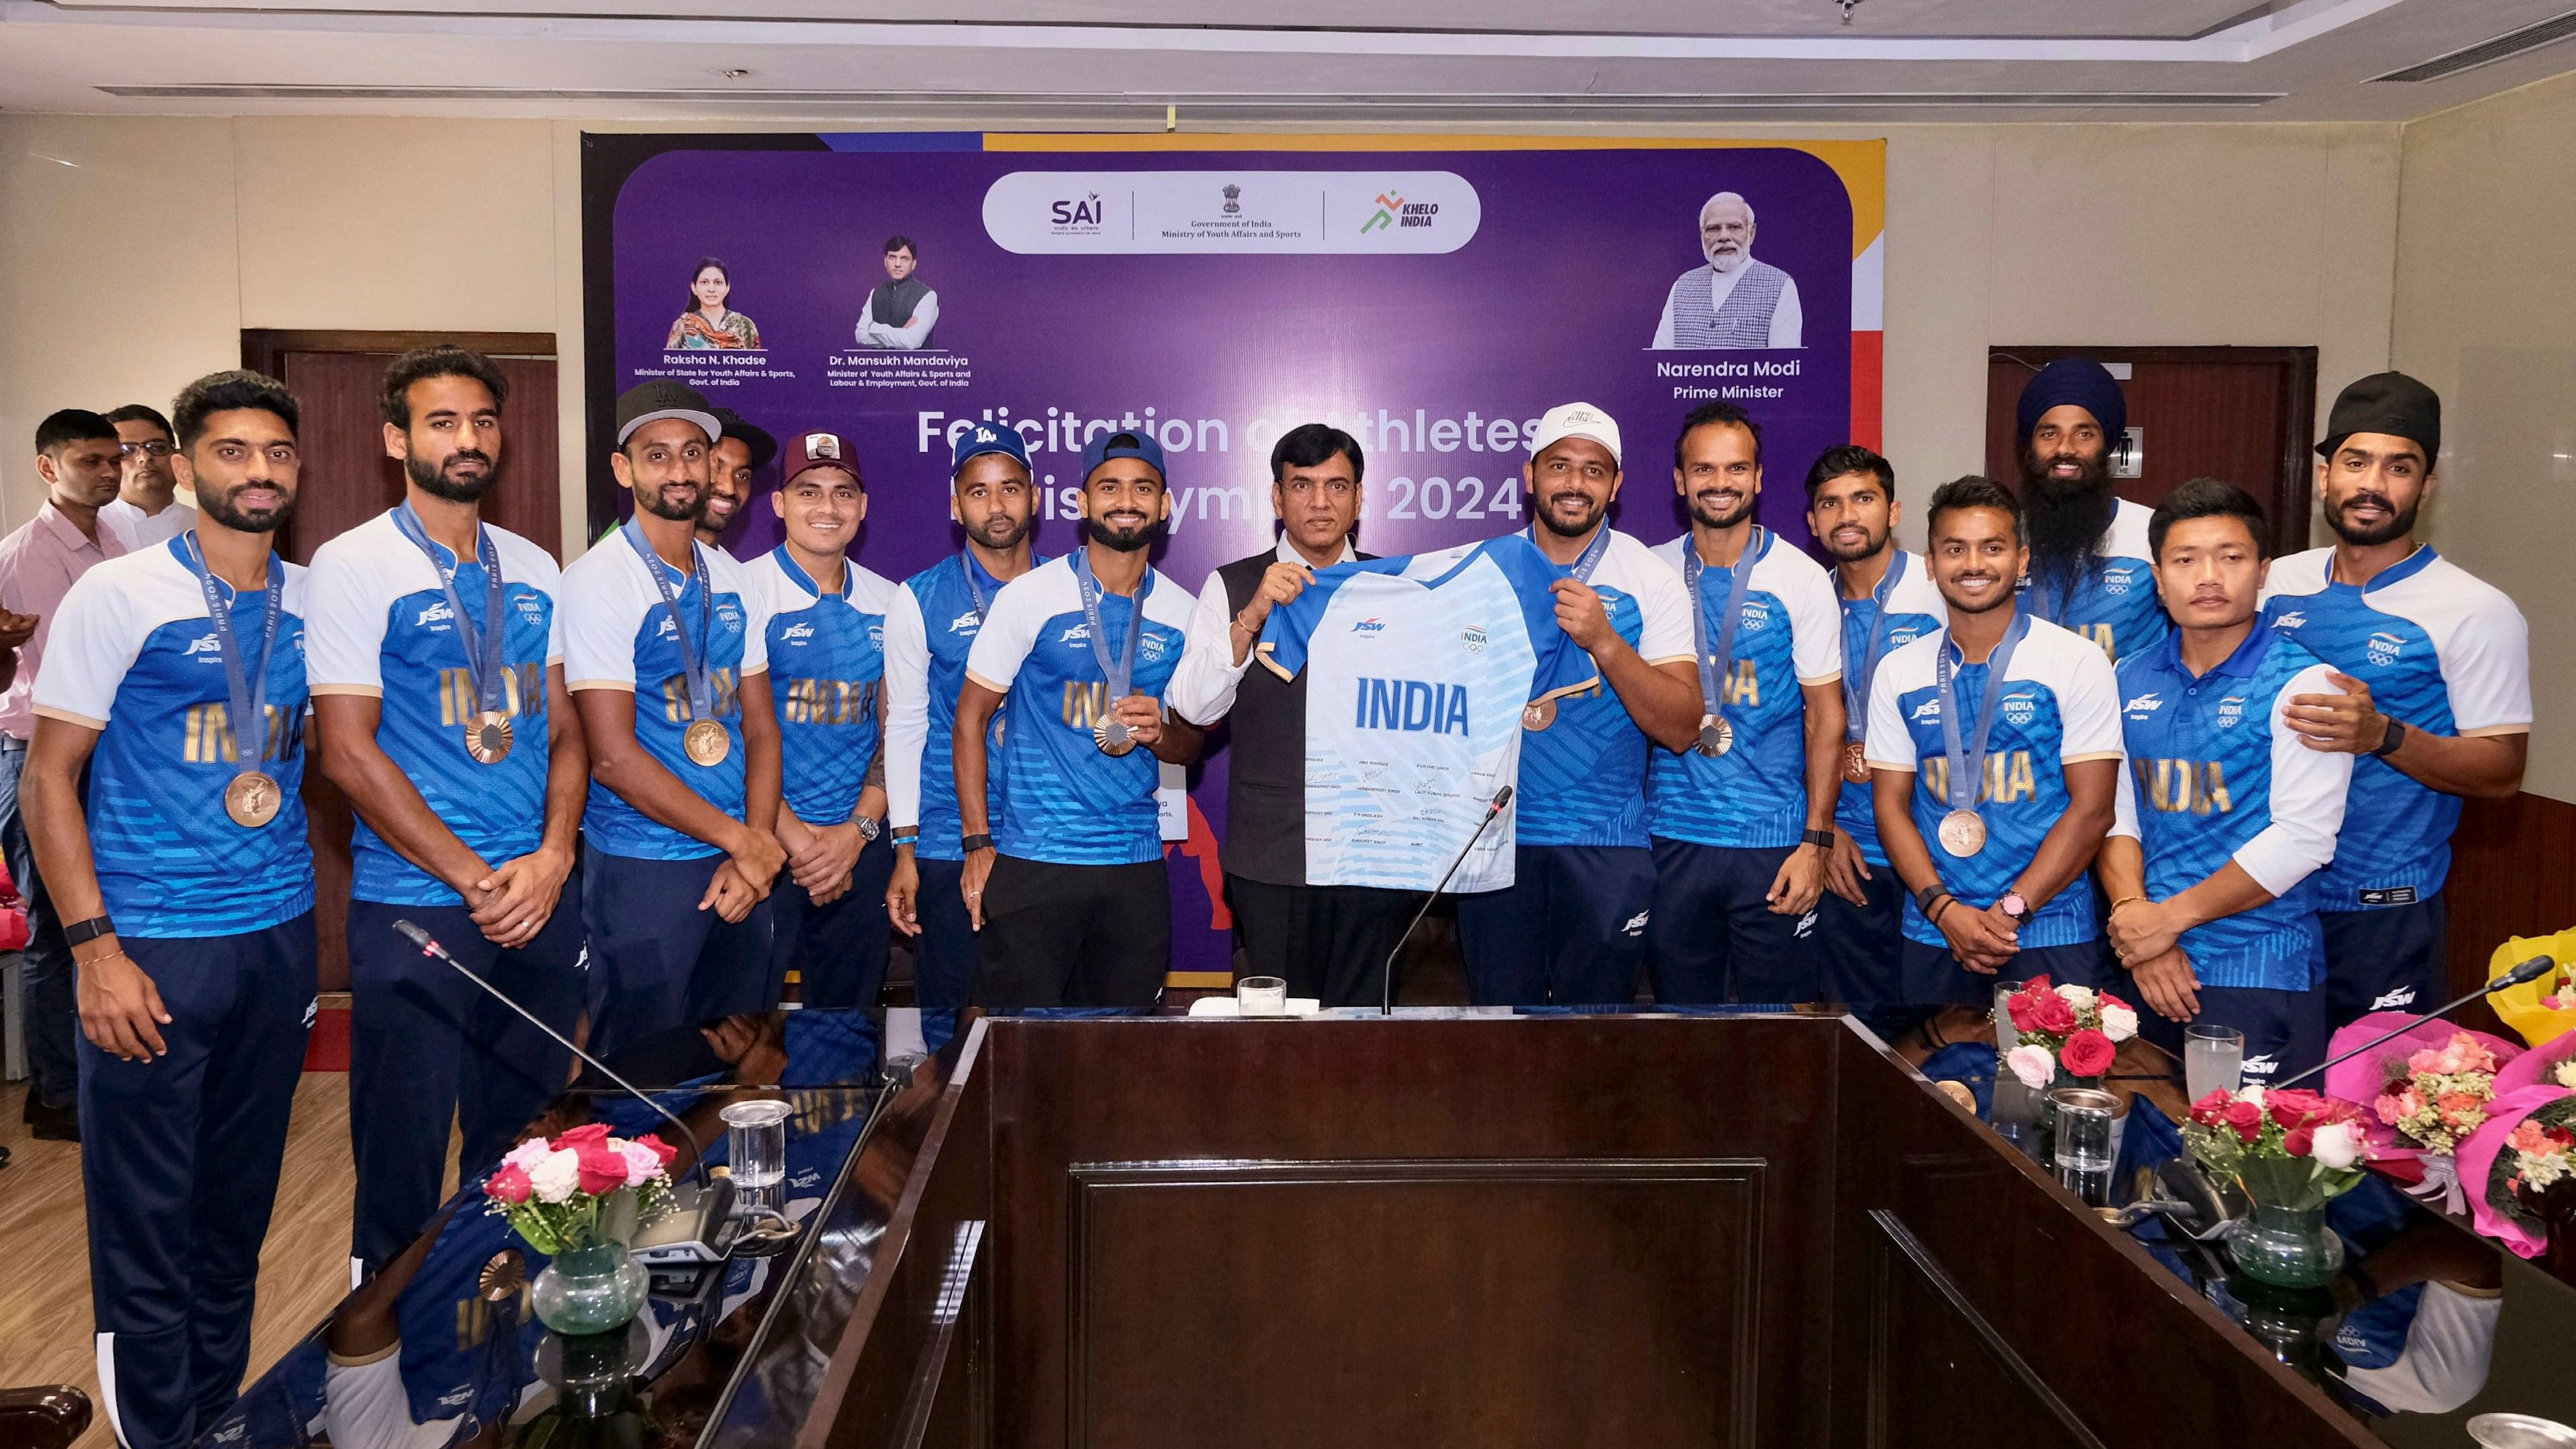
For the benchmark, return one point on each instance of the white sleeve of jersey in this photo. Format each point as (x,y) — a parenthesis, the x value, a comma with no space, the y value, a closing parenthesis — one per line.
(1202,688)
(1009,632)
(2089,709)
(757,605)
(344,635)
(1889,745)
(2124,806)
(1815,627)
(94,643)
(600,617)
(2486,665)
(1667,636)
(2307,798)
(907,687)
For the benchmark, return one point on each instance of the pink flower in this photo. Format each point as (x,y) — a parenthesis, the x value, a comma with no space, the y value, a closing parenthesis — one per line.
(2292,1107)
(2459,1104)
(603,1168)
(643,1164)
(659,1148)
(510,1184)
(588,1134)
(2527,1138)
(2088,1053)
(528,1154)
(2032,1065)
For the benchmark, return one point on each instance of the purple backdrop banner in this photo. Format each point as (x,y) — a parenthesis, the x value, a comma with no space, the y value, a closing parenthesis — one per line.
(1433,302)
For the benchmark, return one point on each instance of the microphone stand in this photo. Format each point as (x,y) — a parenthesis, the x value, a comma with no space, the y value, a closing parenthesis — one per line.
(429,947)
(2531,970)
(1386,974)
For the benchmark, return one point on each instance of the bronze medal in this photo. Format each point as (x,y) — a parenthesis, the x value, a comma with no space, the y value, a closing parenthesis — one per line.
(706,742)
(1716,736)
(1113,738)
(487,737)
(1538,714)
(1963,832)
(252,799)
(1855,763)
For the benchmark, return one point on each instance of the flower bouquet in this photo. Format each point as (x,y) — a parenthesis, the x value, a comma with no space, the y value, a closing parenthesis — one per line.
(576,1199)
(2070,1031)
(2429,1089)
(2542,1010)
(2292,1152)
(2525,1161)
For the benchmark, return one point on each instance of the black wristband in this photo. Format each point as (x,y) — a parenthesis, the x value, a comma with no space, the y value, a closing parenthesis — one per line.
(2390,742)
(1924,898)
(90,930)
(1821,839)
(973,843)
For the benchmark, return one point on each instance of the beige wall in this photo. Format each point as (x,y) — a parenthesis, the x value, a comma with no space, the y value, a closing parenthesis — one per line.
(2485,314)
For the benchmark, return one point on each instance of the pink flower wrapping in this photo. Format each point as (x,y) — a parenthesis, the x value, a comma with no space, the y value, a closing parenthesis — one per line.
(2366,1078)
(2477,1161)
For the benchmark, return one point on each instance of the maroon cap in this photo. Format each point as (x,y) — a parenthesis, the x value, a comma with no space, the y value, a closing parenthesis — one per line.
(801,453)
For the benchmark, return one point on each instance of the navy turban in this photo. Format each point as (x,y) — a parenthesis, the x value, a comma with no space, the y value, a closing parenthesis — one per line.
(2081,382)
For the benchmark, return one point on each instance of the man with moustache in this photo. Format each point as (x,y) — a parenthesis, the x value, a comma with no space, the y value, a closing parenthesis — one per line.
(1571,927)
(1733,301)
(145,510)
(1888,601)
(76,460)
(2089,568)
(1743,818)
(827,673)
(177,678)
(931,624)
(1326,942)
(737,456)
(666,655)
(1994,754)
(1067,885)
(2223,811)
(437,673)
(2433,689)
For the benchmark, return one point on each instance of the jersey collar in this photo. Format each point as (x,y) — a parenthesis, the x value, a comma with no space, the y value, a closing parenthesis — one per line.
(796,574)
(2241,664)
(2406,568)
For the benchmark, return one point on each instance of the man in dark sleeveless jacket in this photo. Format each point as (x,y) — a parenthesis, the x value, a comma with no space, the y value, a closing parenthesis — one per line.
(1731,301)
(903,310)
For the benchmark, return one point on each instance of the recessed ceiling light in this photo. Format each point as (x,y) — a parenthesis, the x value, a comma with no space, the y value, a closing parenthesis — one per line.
(735,74)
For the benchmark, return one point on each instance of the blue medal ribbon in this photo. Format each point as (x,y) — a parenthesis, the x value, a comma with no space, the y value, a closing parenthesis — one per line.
(1968,768)
(1714,665)
(693,659)
(1856,694)
(1119,669)
(248,706)
(486,660)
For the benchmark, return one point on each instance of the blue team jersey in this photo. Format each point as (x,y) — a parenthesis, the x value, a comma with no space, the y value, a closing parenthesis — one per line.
(1068,803)
(2214,775)
(931,623)
(1583,777)
(2441,650)
(1788,634)
(133,655)
(381,628)
(2114,604)
(826,679)
(1417,671)
(618,635)
(1914,609)
(2059,706)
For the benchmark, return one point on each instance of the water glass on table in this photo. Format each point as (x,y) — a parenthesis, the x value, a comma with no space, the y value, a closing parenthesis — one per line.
(1261,996)
(2006,1037)
(2213,1060)
(756,1143)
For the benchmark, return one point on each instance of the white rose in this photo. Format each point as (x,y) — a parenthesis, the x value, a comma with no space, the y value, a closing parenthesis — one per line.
(2337,1145)
(2079,997)
(2250,1093)
(2033,1064)
(2119,1023)
(642,1166)
(556,1178)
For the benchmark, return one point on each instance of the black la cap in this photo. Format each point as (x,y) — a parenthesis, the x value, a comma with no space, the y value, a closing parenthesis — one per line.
(2386,402)
(663,398)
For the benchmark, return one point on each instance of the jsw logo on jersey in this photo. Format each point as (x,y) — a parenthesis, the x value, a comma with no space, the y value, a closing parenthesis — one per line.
(796,633)
(1412,705)
(437,613)
(966,623)
(203,644)
(2291,620)
(2391,1000)
(1369,626)
(1074,635)
(663,628)
(2145,704)
(1928,709)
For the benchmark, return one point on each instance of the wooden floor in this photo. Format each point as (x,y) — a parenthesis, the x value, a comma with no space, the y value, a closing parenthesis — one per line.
(45,1321)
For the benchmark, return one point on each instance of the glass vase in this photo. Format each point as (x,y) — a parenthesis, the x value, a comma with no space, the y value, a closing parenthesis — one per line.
(590,1290)
(2287,1247)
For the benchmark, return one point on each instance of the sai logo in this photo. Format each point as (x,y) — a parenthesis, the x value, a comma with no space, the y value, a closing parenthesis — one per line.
(1370,625)
(1474,638)
(2020,709)
(2384,648)
(2231,711)
(1077,215)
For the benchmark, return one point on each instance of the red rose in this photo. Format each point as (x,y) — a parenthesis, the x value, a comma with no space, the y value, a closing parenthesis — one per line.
(2210,1110)
(2087,1053)
(2052,1015)
(603,1168)
(2300,1141)
(2292,1107)
(508,1185)
(588,1134)
(658,1147)
(2245,1118)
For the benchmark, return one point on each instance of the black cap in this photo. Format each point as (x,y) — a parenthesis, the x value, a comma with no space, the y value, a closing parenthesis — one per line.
(663,398)
(2386,402)
(763,446)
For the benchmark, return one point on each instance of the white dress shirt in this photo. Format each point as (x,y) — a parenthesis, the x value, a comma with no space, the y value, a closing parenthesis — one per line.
(1788,319)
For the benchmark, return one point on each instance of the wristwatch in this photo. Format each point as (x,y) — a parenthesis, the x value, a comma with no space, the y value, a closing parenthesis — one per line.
(89,930)
(1821,839)
(973,843)
(1924,898)
(2391,741)
(869,828)
(2015,907)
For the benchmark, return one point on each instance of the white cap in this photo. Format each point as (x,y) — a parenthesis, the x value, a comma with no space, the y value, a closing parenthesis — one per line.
(1575,420)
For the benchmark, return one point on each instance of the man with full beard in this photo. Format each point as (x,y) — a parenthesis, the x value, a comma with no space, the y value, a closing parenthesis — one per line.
(1067,884)
(436,656)
(2435,674)
(666,656)
(1743,816)
(2089,568)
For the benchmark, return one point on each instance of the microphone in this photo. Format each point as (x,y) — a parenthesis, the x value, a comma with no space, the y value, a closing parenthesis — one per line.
(2531,970)
(1386,974)
(429,947)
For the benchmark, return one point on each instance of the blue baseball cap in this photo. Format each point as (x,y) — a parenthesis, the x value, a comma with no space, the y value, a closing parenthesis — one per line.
(1140,444)
(982,438)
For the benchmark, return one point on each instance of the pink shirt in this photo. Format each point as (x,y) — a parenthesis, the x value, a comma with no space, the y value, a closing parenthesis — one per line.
(37,566)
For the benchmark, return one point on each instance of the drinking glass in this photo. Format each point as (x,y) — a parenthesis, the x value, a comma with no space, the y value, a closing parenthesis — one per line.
(2006,1038)
(756,1143)
(1261,996)
(2083,1141)
(2213,1060)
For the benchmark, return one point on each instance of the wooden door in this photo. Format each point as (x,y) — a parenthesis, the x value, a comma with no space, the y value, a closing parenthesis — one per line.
(336,378)
(2244,414)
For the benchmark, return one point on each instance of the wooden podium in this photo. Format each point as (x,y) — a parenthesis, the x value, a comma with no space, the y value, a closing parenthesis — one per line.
(1636,1231)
